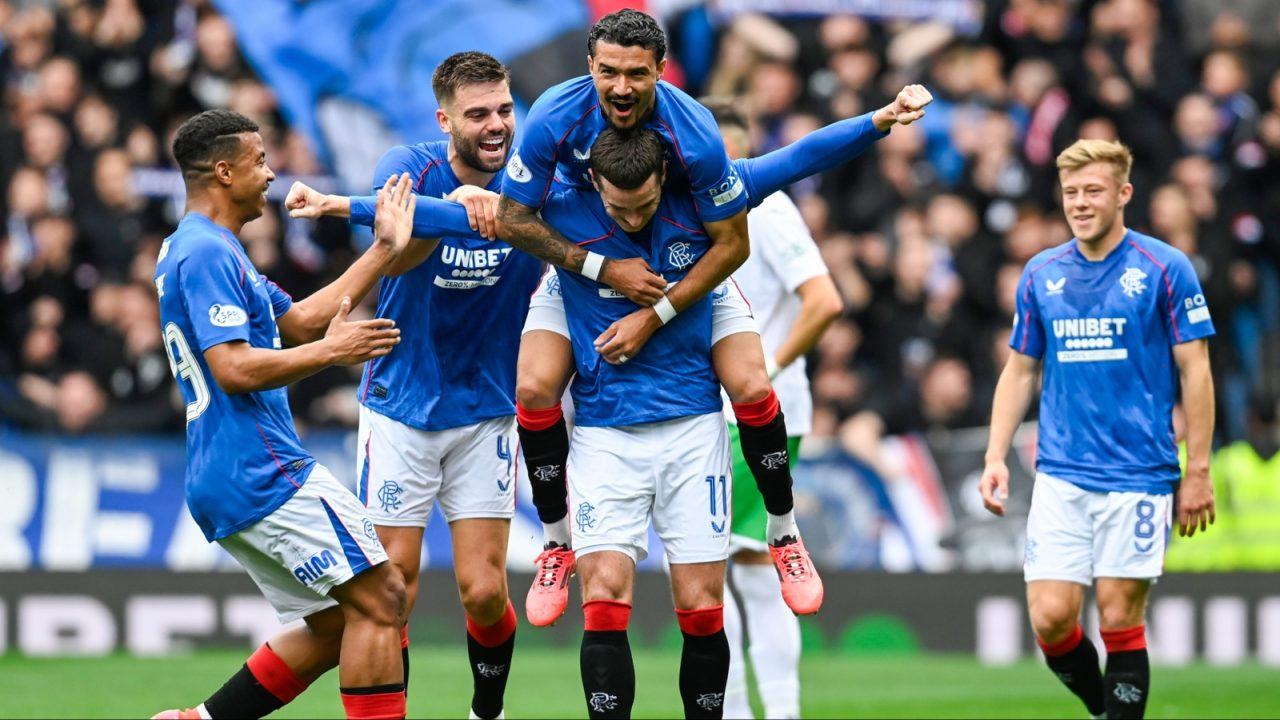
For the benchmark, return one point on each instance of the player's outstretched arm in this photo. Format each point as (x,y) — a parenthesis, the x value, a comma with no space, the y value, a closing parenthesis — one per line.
(239,367)
(1014,391)
(307,319)
(434,217)
(521,227)
(1195,493)
(827,147)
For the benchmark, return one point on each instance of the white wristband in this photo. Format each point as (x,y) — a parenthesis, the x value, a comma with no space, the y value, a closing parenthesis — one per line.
(666,311)
(592,265)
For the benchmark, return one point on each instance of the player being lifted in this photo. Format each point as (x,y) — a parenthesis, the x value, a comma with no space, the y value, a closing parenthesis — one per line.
(1118,323)
(250,485)
(437,417)
(626,60)
(794,300)
(729,315)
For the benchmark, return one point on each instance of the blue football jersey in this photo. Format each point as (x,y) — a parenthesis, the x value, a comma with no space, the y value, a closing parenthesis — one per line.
(671,377)
(1105,331)
(460,313)
(563,124)
(244,458)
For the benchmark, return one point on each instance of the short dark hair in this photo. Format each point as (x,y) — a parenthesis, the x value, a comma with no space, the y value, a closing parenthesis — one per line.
(727,111)
(629,28)
(627,158)
(209,137)
(466,68)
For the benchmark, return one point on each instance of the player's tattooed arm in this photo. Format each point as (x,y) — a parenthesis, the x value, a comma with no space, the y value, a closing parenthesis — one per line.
(1196,509)
(522,228)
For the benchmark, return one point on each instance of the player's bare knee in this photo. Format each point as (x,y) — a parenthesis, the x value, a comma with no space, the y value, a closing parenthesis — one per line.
(747,385)
(381,599)
(484,600)
(1120,615)
(606,578)
(536,393)
(1052,618)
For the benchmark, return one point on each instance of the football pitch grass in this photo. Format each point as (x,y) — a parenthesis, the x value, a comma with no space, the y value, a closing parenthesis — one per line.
(545,684)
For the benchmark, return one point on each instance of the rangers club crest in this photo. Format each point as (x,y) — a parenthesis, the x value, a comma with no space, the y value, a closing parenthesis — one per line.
(774,460)
(680,255)
(490,671)
(602,702)
(389,495)
(1131,282)
(546,473)
(585,517)
(710,701)
(1128,693)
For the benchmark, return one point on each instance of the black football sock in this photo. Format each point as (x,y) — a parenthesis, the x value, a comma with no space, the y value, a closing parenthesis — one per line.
(608,672)
(261,686)
(546,452)
(763,432)
(1075,662)
(1128,677)
(704,670)
(489,649)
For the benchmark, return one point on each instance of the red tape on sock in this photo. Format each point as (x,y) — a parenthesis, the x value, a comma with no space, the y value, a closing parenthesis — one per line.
(1126,639)
(701,622)
(380,706)
(274,674)
(606,615)
(761,412)
(534,419)
(495,634)
(1071,642)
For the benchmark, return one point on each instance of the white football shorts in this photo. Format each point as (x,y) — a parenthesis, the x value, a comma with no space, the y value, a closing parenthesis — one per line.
(401,471)
(1078,535)
(677,472)
(320,538)
(730,312)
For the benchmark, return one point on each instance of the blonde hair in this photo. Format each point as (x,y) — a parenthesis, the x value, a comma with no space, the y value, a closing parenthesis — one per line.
(1083,152)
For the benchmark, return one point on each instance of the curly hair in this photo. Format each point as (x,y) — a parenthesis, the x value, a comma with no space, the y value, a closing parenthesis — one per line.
(629,28)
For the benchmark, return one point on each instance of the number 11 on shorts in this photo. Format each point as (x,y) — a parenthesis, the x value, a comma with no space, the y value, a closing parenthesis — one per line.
(712,481)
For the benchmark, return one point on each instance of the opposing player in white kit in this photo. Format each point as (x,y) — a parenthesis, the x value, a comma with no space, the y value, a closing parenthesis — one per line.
(1119,323)
(794,301)
(250,485)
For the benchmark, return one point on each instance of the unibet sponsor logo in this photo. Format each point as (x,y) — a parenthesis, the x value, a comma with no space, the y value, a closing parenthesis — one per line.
(471,268)
(1090,339)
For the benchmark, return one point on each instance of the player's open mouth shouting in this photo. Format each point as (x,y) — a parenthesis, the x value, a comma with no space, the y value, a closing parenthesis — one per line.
(494,148)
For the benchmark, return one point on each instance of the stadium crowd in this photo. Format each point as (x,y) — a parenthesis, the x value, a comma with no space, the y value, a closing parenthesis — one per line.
(925,235)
